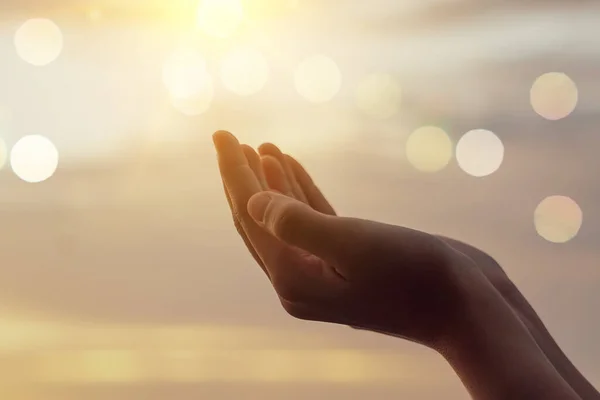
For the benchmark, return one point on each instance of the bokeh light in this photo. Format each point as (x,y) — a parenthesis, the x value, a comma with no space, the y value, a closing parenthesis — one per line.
(95,14)
(3,153)
(554,96)
(184,72)
(34,158)
(429,149)
(558,219)
(244,71)
(186,77)
(39,41)
(197,104)
(220,18)
(318,79)
(379,95)
(479,152)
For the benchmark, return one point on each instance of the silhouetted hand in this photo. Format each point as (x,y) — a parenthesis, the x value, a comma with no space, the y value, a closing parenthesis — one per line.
(429,289)
(342,270)
(286,175)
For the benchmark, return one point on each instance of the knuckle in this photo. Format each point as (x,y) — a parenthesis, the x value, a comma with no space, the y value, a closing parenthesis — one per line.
(285,220)
(441,252)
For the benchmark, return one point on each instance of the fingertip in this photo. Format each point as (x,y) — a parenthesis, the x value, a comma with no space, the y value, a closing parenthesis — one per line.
(271,164)
(252,157)
(269,149)
(222,137)
(249,150)
(219,134)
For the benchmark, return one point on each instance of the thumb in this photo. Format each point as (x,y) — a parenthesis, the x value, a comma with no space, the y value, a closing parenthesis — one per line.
(299,225)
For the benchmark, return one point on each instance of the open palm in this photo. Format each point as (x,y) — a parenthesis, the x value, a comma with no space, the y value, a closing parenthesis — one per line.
(298,274)
(288,268)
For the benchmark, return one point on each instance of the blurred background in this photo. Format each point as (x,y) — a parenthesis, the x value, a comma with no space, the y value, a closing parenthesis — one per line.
(121,275)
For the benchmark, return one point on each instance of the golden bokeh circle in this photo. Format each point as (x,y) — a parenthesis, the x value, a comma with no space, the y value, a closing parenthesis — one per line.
(379,96)
(186,77)
(554,96)
(244,71)
(318,79)
(39,41)
(34,158)
(429,149)
(558,219)
(479,152)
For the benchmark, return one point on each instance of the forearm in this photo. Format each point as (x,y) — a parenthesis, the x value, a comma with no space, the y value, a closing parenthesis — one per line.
(495,356)
(553,352)
(534,324)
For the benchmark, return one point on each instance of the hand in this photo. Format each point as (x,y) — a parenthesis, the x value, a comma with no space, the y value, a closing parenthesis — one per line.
(342,270)
(389,279)
(285,175)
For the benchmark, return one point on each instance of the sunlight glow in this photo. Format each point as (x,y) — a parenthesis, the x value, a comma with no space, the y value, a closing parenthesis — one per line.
(34,158)
(83,353)
(429,149)
(16,336)
(39,41)
(379,95)
(189,84)
(318,79)
(184,72)
(244,71)
(198,104)
(256,10)
(90,366)
(479,152)
(554,96)
(95,14)
(112,366)
(220,18)
(212,365)
(558,219)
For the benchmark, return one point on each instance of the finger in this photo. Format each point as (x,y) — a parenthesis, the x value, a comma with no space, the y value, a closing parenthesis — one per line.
(315,197)
(255,164)
(300,226)
(241,184)
(346,242)
(242,233)
(275,176)
(272,150)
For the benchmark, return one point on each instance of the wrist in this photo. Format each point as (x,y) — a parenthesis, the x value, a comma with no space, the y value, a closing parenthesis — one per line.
(493,353)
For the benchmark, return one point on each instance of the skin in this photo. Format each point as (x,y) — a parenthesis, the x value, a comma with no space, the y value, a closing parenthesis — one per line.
(425,288)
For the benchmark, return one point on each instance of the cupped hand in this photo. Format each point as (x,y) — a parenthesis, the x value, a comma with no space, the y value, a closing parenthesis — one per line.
(348,271)
(282,173)
(368,275)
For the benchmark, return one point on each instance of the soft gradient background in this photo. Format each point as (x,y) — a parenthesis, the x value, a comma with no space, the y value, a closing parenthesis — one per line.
(122,277)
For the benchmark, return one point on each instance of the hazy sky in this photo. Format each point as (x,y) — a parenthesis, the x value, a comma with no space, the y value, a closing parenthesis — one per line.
(126,280)
(105,89)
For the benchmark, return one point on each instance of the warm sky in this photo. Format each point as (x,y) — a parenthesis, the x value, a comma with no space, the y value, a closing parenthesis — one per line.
(123,278)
